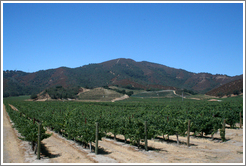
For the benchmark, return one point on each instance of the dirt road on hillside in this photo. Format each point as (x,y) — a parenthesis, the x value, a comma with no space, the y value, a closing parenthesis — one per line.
(57,149)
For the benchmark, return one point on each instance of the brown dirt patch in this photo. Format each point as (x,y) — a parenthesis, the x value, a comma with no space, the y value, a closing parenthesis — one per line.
(120,98)
(213,100)
(202,150)
(195,98)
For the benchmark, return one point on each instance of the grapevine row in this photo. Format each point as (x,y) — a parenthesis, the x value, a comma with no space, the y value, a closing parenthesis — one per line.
(26,127)
(76,120)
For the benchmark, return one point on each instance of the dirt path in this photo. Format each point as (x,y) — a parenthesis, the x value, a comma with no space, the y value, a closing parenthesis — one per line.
(202,150)
(57,149)
(13,107)
(12,152)
(120,98)
(124,153)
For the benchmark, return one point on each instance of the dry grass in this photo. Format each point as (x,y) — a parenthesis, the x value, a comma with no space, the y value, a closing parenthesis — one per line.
(99,94)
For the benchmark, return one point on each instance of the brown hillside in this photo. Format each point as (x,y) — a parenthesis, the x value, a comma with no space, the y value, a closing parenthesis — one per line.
(127,82)
(59,77)
(228,88)
(121,72)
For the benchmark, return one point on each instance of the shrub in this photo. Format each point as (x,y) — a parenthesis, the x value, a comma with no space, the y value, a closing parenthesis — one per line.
(236,92)
(220,94)
(129,93)
(228,94)
(34,96)
(5,94)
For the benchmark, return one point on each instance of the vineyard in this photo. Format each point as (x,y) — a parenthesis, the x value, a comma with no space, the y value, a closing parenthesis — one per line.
(136,122)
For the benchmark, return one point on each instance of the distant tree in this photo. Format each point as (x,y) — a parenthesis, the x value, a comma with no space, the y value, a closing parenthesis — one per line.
(106,87)
(236,92)
(13,93)
(228,94)
(190,91)
(34,96)
(88,87)
(121,91)
(129,93)
(220,94)
(6,94)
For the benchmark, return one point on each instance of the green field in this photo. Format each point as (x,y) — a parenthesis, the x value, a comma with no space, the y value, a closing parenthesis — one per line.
(17,98)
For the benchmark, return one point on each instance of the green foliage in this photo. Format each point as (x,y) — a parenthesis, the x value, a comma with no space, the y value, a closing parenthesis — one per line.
(25,126)
(129,86)
(220,94)
(18,83)
(33,96)
(76,120)
(236,92)
(222,135)
(129,93)
(228,94)
(60,92)
(190,91)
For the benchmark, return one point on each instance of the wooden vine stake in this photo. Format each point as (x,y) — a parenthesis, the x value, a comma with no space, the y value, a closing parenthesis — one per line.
(188,134)
(177,135)
(224,122)
(222,131)
(167,134)
(39,141)
(146,136)
(96,148)
(240,116)
(114,137)
(90,146)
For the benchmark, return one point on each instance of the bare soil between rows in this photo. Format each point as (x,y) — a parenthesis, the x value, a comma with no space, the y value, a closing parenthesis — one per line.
(57,149)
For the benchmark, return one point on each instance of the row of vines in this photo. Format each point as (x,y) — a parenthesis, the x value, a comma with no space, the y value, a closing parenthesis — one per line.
(76,120)
(26,127)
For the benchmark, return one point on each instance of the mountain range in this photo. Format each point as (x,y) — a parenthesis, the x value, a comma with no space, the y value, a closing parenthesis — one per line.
(120,72)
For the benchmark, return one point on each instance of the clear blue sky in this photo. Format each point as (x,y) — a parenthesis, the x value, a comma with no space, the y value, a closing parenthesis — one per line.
(197,37)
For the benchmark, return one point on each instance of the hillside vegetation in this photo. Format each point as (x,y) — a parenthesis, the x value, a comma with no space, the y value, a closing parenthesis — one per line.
(234,87)
(121,72)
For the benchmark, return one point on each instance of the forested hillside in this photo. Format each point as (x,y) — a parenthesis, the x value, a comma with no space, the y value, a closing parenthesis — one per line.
(120,72)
